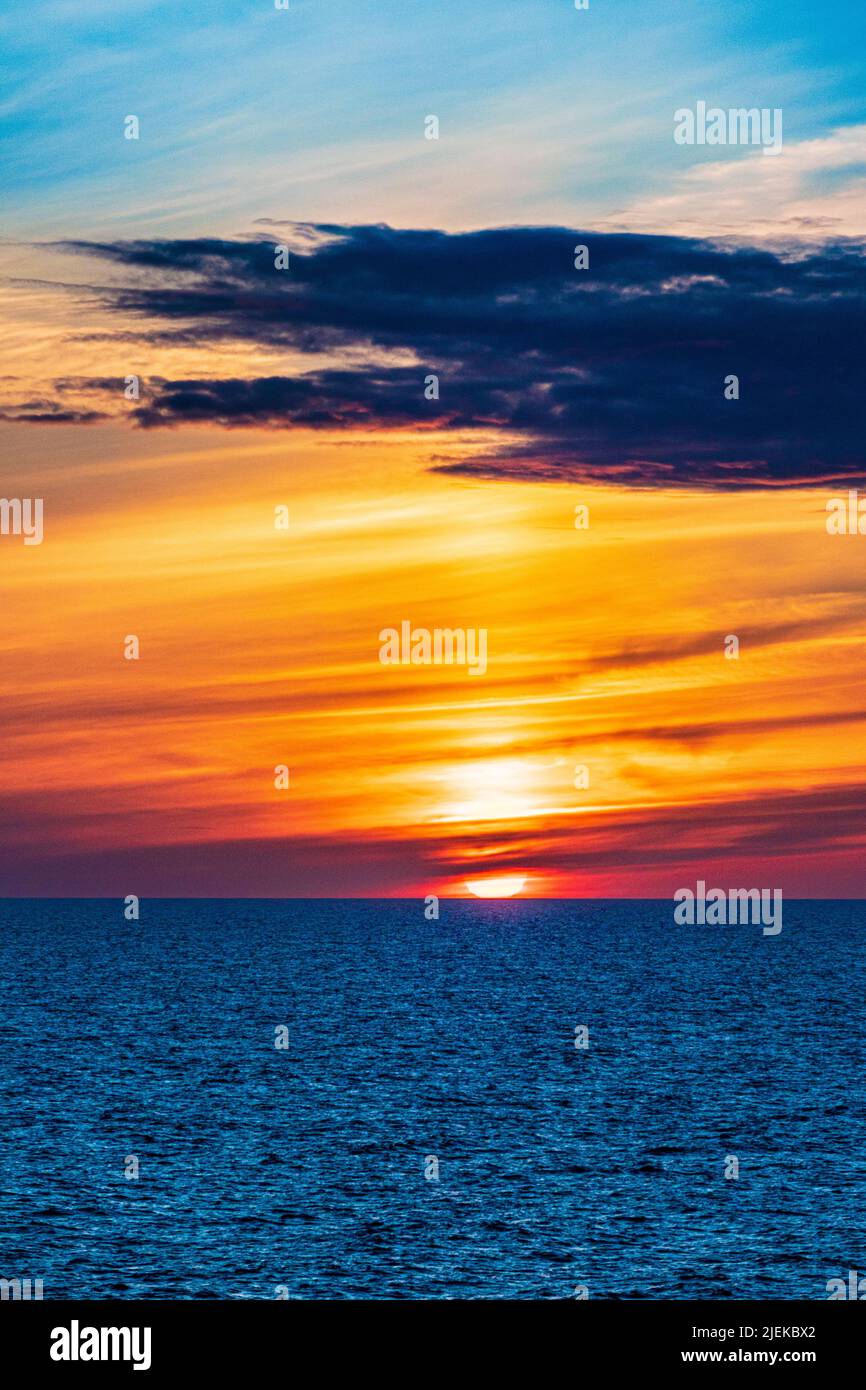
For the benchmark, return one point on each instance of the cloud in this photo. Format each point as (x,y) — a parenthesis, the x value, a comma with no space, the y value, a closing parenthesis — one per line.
(611,374)
(815,190)
(783,831)
(51,414)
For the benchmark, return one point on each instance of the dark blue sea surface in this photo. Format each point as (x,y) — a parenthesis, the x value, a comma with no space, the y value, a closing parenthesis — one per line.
(304,1169)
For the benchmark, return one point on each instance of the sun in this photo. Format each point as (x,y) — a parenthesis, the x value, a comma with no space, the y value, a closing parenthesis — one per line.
(508,886)
(489,789)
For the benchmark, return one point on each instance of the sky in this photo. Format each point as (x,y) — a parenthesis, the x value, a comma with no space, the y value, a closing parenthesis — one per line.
(614,746)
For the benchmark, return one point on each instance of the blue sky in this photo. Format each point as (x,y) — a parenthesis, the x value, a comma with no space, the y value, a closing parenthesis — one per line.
(317,113)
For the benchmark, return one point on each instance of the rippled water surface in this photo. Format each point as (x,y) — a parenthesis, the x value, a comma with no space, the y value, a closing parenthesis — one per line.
(410,1040)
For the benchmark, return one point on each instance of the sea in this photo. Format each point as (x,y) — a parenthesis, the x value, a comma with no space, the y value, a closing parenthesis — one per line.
(260,1099)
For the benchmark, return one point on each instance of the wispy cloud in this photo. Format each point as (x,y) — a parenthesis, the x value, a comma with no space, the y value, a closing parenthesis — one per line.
(816,192)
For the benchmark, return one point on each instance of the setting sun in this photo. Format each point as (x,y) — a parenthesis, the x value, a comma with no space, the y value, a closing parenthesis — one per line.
(506,887)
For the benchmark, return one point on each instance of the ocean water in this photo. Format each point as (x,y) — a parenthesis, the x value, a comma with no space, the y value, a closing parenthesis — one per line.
(302,1170)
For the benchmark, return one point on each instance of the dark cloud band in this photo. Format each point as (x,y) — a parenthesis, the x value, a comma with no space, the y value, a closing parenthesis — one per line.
(614,373)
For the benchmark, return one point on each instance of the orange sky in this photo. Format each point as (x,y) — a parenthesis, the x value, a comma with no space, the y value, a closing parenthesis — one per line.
(260,647)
